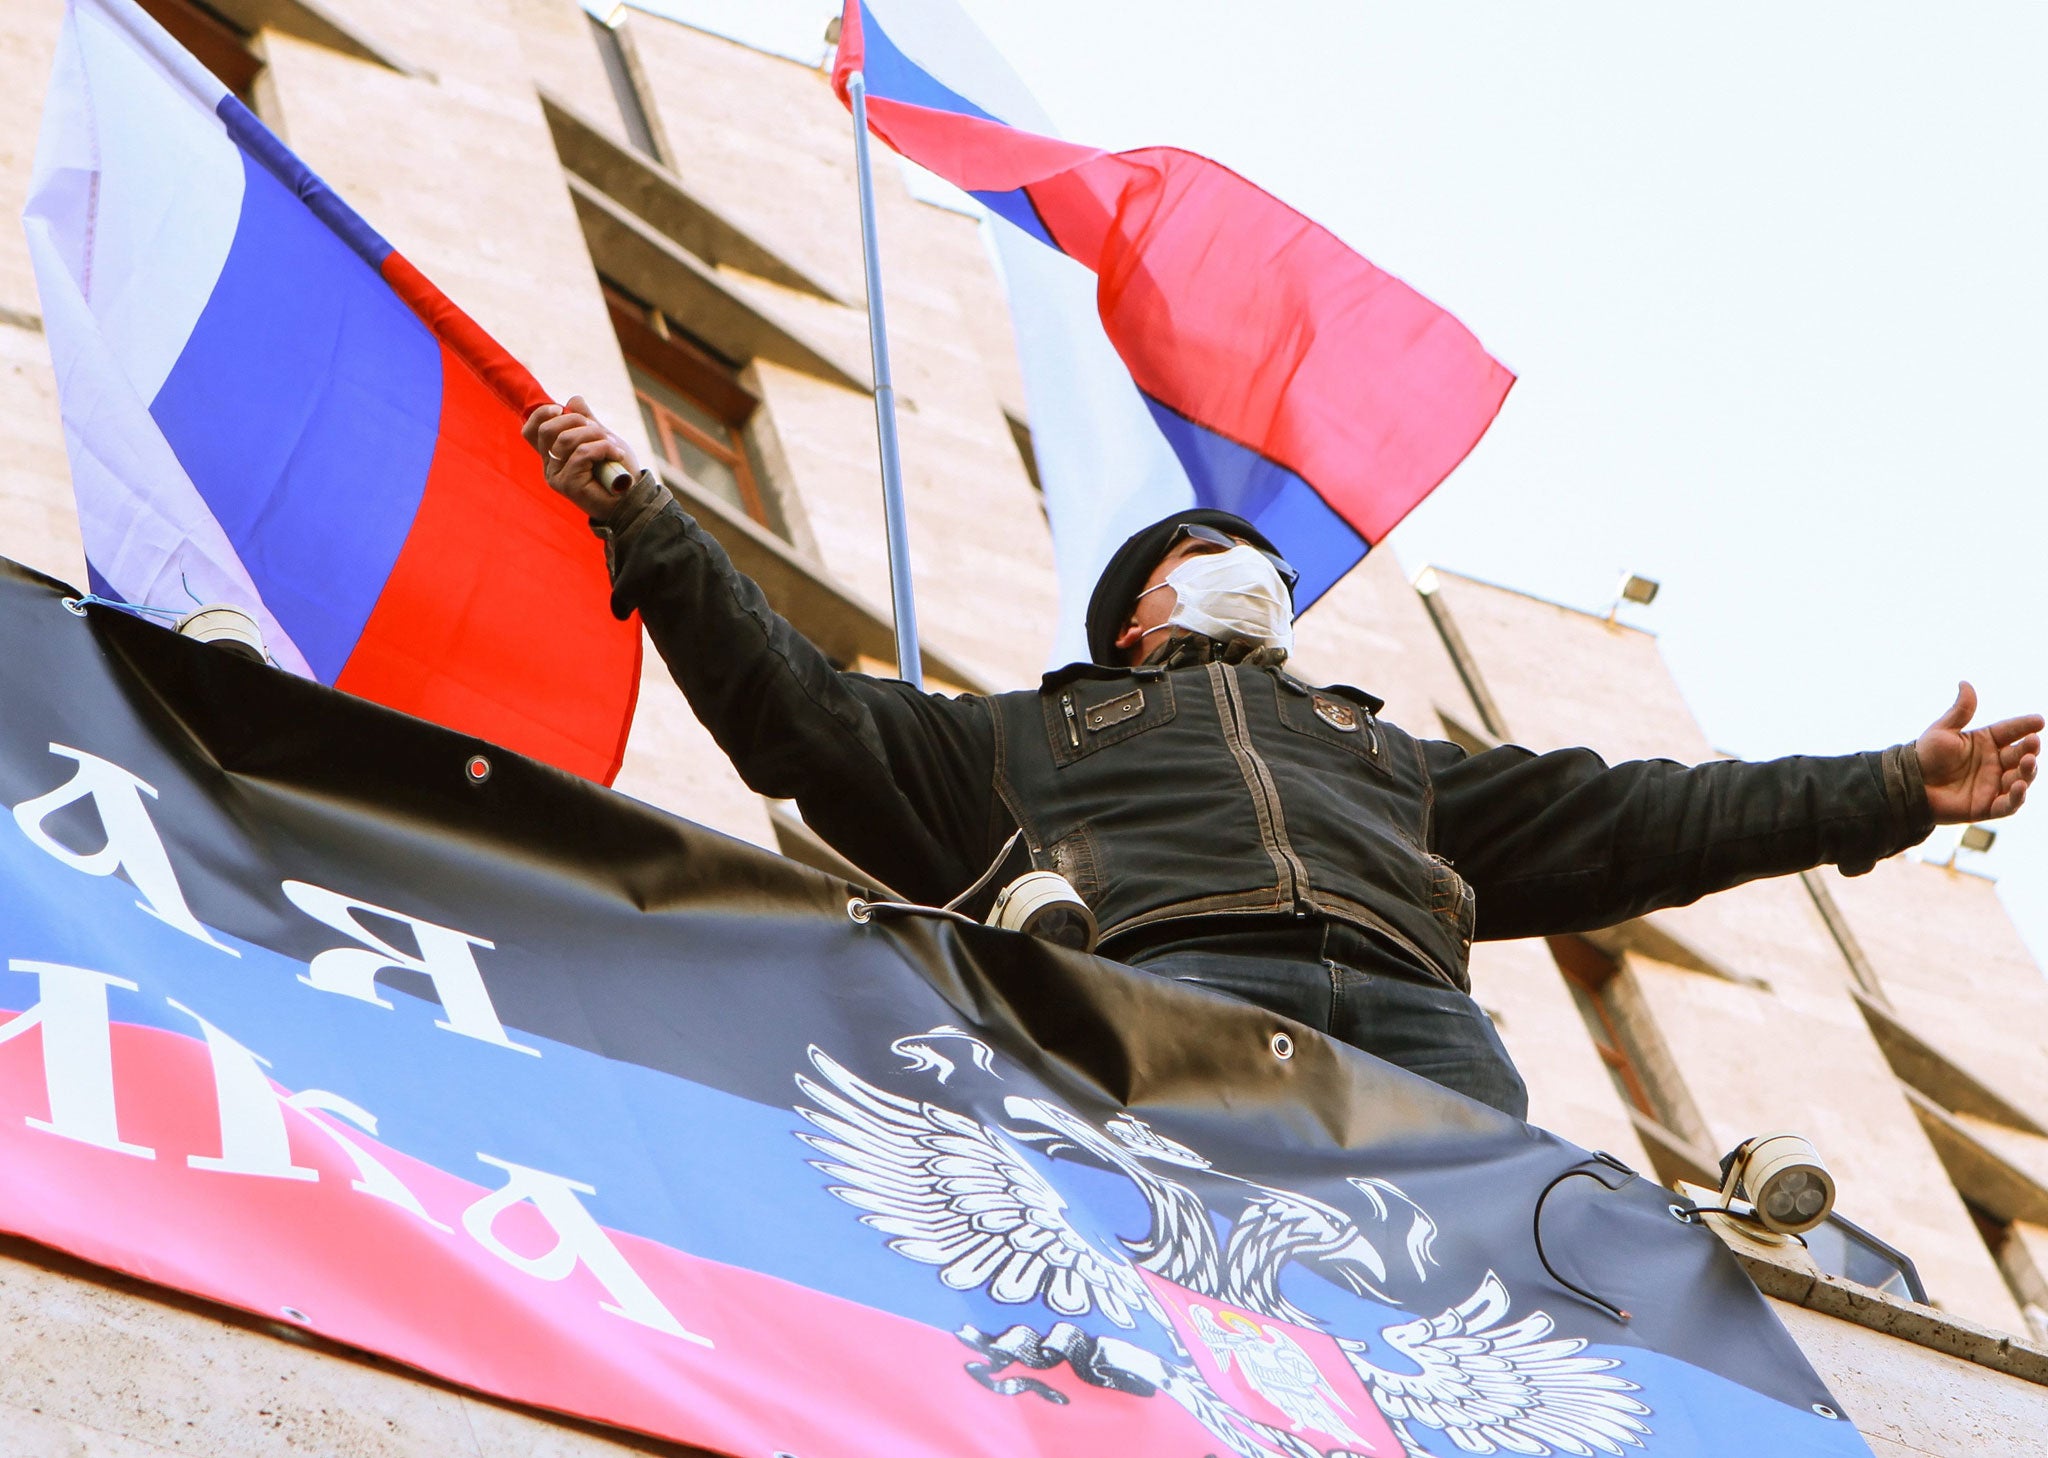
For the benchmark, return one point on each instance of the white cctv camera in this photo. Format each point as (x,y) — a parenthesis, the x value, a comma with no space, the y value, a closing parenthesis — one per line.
(1782,1177)
(226,627)
(1043,904)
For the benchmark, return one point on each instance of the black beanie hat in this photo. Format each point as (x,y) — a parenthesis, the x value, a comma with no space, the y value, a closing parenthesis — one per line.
(1109,606)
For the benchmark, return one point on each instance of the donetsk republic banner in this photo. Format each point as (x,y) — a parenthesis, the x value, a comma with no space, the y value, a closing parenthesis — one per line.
(529,1086)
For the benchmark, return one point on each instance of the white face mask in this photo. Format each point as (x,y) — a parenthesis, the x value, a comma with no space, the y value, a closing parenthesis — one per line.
(1233,594)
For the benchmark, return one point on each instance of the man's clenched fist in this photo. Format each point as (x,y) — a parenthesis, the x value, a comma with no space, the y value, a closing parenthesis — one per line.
(573,444)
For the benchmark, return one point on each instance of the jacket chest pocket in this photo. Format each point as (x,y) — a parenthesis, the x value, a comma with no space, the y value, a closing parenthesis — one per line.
(1336,716)
(1083,717)
(1451,899)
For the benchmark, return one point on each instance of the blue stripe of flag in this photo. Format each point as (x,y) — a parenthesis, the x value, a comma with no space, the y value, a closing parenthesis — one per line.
(306,408)
(889,73)
(1235,478)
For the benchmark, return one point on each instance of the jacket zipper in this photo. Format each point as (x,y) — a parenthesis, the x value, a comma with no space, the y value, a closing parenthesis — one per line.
(1259,779)
(1372,734)
(1073,729)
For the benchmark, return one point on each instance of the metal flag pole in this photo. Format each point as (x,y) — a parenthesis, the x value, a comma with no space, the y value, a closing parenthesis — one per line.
(909,663)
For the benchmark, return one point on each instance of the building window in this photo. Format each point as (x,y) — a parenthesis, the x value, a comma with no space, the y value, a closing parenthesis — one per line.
(2023,1275)
(1590,974)
(216,42)
(620,72)
(692,403)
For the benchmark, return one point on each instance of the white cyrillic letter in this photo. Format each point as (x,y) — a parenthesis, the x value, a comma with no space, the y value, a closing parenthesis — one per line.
(78,1053)
(444,957)
(132,842)
(578,1239)
(253,1140)
(372,1177)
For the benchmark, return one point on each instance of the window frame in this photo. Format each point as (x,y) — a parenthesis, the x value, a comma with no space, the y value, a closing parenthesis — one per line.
(634,114)
(1588,973)
(653,346)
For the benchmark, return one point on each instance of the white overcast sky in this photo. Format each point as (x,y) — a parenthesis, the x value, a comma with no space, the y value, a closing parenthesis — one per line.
(1771,277)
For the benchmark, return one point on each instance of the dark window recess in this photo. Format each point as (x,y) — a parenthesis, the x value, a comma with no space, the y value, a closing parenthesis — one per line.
(617,70)
(2028,1282)
(1020,433)
(1590,974)
(694,409)
(216,42)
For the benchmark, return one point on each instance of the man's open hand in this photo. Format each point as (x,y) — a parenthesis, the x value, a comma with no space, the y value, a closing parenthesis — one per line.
(1977,774)
(572,445)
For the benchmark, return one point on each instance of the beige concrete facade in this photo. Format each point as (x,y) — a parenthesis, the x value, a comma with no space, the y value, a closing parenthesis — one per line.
(1896,1018)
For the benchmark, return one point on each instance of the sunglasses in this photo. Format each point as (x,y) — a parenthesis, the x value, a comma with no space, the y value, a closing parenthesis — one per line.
(1214,537)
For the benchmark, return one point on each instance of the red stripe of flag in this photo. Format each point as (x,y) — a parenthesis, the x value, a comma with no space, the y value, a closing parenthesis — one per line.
(495,619)
(1232,309)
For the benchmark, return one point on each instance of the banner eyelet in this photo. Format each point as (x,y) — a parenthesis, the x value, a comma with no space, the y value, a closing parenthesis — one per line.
(1283,1046)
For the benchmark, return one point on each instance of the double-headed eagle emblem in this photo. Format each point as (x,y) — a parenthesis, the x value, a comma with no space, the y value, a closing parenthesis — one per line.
(969,1199)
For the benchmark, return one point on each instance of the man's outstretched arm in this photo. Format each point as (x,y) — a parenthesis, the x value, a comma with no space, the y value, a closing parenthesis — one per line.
(1563,842)
(900,782)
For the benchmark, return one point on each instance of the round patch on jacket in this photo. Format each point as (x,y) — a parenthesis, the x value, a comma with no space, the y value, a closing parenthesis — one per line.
(1337,714)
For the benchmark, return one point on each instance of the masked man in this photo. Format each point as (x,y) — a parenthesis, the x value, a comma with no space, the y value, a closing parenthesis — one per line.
(1228,824)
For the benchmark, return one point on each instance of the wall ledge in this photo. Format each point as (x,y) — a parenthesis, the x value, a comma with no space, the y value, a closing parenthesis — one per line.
(1785,1272)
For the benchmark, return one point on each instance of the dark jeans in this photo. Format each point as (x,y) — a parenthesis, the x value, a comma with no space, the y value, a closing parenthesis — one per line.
(1339,981)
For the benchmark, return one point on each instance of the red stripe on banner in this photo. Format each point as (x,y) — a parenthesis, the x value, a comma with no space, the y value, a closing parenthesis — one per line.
(496,618)
(1239,313)
(788,1368)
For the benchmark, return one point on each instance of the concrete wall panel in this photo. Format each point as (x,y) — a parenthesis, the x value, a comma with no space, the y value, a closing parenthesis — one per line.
(38,524)
(555,39)
(1372,631)
(1569,1090)
(94,1365)
(736,117)
(1912,1401)
(1562,677)
(1955,970)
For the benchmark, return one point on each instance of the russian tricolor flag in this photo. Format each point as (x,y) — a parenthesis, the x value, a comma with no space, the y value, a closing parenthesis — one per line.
(266,405)
(1289,380)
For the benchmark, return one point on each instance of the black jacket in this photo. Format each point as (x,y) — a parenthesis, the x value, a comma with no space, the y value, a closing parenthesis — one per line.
(1228,790)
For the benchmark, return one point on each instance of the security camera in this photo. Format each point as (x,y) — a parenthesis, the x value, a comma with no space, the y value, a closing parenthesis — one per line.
(1782,1177)
(227,627)
(1042,904)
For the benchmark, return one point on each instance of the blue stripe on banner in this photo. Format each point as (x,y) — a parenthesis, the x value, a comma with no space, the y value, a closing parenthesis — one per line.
(890,73)
(1016,206)
(258,141)
(306,409)
(702,1171)
(1235,478)
(690,1166)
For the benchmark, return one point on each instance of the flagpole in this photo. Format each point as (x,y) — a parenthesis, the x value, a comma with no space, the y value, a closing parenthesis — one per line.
(909,662)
